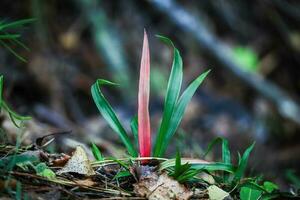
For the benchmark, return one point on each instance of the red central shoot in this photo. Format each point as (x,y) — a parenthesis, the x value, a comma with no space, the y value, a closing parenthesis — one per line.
(144,132)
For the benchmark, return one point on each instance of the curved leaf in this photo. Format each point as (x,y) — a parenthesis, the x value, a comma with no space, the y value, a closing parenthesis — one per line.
(179,111)
(173,90)
(109,115)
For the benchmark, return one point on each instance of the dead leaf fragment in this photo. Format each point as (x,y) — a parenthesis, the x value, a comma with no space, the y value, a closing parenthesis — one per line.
(216,193)
(162,187)
(78,163)
(86,182)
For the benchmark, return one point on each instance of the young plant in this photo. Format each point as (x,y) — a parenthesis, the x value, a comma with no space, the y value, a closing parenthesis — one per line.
(174,106)
(183,172)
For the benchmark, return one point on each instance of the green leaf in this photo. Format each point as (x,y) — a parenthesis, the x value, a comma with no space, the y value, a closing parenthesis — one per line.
(15,24)
(12,51)
(247,193)
(179,111)
(179,169)
(183,173)
(122,174)
(109,115)
(97,153)
(9,36)
(18,191)
(270,187)
(213,166)
(13,115)
(172,94)
(43,170)
(243,164)
(292,177)
(226,158)
(9,162)
(134,130)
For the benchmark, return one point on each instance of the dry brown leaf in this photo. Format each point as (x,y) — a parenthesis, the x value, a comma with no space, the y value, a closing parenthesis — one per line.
(162,187)
(86,182)
(78,163)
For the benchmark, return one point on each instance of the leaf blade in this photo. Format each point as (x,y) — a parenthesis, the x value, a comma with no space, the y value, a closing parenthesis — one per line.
(180,109)
(243,163)
(173,90)
(144,131)
(109,115)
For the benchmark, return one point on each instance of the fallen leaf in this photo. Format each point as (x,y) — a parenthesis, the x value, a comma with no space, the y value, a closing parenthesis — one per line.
(162,187)
(216,193)
(78,163)
(86,182)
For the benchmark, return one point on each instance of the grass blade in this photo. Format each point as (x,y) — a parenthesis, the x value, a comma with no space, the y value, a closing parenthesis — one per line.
(173,90)
(144,132)
(97,153)
(200,165)
(243,164)
(180,109)
(9,36)
(13,51)
(16,24)
(109,115)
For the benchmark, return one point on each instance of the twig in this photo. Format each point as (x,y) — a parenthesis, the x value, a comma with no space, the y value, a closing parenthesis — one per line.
(287,107)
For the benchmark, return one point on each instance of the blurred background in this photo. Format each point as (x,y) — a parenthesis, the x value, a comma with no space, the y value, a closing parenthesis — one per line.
(251,94)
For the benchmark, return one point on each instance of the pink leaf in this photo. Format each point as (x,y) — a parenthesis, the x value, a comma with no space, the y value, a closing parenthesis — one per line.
(144,134)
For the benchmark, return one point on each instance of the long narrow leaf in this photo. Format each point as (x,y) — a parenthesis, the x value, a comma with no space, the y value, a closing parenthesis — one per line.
(9,36)
(97,153)
(226,158)
(13,51)
(109,115)
(144,131)
(243,163)
(180,109)
(173,90)
(16,24)
(200,165)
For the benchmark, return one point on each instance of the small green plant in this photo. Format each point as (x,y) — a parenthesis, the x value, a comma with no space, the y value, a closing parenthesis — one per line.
(174,106)
(3,105)
(183,172)
(8,37)
(228,177)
